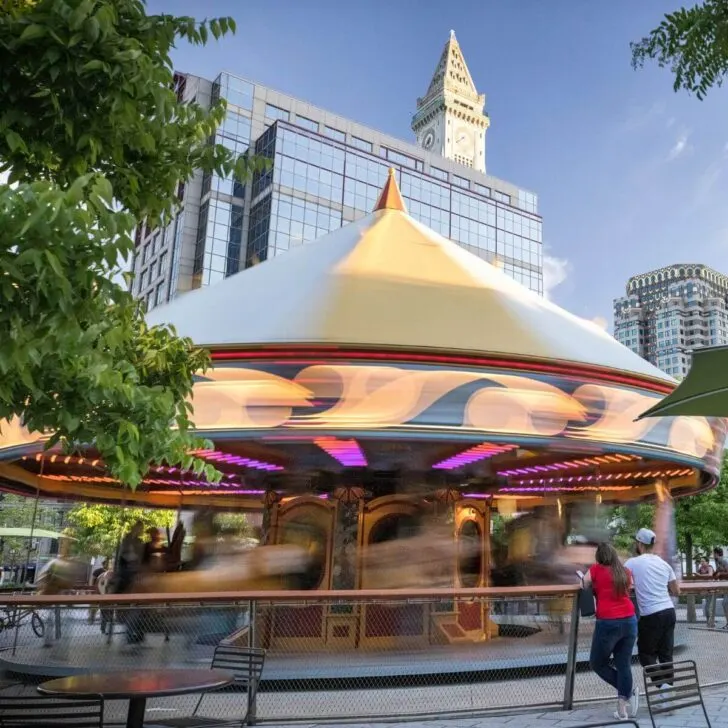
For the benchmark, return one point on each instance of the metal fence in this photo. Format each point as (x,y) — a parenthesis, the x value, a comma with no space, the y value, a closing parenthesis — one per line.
(338,656)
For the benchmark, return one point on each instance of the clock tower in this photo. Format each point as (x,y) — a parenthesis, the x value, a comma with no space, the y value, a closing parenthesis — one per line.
(450,118)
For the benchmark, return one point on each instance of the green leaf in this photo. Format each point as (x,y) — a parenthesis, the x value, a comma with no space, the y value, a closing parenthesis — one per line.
(32,32)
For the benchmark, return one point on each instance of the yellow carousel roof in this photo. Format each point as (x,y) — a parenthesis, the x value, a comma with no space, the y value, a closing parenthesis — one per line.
(387,281)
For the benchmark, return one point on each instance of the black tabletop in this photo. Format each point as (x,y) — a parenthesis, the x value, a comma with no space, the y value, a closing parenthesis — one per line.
(138,684)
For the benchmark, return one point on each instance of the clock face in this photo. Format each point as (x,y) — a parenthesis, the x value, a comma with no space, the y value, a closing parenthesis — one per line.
(464,141)
(429,139)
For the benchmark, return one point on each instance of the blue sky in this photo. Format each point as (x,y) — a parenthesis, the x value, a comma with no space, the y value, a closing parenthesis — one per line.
(630,175)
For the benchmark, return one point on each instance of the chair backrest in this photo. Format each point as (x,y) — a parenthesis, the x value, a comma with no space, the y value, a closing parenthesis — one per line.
(35,710)
(685,690)
(246,663)
(633,723)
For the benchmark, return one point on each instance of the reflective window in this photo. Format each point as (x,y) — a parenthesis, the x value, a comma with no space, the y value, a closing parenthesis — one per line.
(235,126)
(235,91)
(362,144)
(402,159)
(439,173)
(363,182)
(337,134)
(501,197)
(461,181)
(275,112)
(295,221)
(258,229)
(527,201)
(482,189)
(306,123)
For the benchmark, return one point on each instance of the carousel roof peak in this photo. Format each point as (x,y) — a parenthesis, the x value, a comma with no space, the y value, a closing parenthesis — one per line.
(387,281)
(390,198)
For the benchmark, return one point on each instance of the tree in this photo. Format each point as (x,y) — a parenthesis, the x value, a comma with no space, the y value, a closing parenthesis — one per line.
(693,43)
(18,511)
(98,529)
(701,521)
(95,142)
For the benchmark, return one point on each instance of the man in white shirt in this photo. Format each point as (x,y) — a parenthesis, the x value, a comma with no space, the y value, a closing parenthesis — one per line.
(654,585)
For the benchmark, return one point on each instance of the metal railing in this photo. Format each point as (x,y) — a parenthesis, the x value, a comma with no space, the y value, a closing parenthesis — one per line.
(360,655)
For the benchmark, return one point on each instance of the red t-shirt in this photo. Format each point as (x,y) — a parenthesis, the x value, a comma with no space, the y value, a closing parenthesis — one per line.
(609,604)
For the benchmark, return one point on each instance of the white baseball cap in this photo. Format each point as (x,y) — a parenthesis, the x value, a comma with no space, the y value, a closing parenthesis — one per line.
(645,536)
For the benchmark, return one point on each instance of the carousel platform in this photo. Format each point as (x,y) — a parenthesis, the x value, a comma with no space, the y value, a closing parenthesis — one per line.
(540,653)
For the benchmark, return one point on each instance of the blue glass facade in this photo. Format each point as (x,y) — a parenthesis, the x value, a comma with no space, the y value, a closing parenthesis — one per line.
(317,184)
(326,172)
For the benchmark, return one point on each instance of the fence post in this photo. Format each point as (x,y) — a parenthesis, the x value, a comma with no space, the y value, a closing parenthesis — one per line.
(252,690)
(571,657)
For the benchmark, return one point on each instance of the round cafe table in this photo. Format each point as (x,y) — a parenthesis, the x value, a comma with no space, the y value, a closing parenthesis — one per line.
(136,686)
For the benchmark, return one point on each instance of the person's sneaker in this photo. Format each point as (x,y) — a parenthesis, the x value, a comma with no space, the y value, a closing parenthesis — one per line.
(621,712)
(634,703)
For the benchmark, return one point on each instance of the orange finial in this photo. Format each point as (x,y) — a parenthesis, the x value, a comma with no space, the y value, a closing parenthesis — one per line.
(390,198)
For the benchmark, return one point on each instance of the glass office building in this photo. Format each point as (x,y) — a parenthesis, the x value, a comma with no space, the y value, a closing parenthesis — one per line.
(326,171)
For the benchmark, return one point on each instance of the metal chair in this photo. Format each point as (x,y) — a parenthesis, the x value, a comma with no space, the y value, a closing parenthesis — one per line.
(246,664)
(35,711)
(633,723)
(684,691)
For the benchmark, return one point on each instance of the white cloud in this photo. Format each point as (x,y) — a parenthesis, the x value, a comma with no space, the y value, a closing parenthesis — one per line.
(679,147)
(555,272)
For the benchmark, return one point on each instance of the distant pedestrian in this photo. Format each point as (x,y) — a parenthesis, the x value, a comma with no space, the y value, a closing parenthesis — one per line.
(721,572)
(615,631)
(654,584)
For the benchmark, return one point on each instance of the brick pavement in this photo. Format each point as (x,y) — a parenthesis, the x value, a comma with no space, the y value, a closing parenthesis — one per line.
(716,701)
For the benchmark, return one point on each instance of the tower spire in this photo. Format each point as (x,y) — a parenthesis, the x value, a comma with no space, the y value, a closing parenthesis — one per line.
(390,198)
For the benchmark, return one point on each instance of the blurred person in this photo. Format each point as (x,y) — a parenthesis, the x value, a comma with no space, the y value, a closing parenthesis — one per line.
(104,585)
(703,567)
(154,551)
(129,565)
(615,631)
(654,584)
(95,575)
(721,572)
(57,575)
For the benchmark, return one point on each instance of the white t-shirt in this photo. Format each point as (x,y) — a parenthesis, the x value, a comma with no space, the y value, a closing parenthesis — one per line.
(651,575)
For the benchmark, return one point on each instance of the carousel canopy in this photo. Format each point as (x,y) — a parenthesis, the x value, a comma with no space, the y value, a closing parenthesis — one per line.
(386,281)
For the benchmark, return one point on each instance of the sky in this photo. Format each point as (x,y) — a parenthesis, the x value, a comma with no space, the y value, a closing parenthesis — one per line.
(630,175)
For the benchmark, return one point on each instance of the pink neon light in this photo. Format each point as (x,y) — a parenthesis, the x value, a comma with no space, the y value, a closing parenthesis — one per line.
(347,452)
(216,456)
(472,455)
(571,464)
(605,477)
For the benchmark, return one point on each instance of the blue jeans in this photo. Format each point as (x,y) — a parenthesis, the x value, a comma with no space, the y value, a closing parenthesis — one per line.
(614,638)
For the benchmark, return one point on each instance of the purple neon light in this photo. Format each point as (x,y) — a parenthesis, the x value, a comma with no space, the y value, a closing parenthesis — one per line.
(570,465)
(472,455)
(216,456)
(347,452)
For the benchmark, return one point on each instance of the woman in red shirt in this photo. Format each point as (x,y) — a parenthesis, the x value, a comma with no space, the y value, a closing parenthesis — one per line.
(615,631)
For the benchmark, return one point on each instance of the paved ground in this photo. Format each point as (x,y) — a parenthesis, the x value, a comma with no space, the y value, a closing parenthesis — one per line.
(716,701)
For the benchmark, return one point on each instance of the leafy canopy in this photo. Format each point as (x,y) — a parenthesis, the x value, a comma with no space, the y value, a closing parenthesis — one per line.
(95,142)
(700,520)
(98,529)
(693,43)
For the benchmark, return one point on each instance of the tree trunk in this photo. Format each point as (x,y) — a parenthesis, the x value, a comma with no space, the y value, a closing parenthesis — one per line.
(692,618)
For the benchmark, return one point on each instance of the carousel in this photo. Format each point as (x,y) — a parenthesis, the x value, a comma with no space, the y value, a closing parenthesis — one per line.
(382,381)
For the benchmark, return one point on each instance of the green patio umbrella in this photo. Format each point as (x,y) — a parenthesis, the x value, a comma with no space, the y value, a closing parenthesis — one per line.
(703,393)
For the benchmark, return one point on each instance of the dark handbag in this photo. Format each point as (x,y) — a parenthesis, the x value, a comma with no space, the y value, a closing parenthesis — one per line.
(587,605)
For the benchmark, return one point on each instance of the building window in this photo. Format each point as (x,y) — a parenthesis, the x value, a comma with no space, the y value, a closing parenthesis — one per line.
(482,189)
(235,91)
(362,144)
(307,123)
(337,134)
(501,197)
(439,173)
(275,112)
(265,146)
(461,181)
(258,230)
(162,267)
(401,159)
